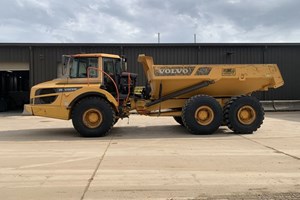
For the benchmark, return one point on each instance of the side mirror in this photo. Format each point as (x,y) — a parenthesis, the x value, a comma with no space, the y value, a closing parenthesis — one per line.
(124,63)
(65,62)
(125,67)
(63,59)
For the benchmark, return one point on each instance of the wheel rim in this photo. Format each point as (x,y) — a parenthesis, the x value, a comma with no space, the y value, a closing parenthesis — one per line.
(92,118)
(246,115)
(204,115)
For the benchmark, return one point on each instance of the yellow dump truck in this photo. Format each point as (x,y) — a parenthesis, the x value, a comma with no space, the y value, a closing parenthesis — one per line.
(96,91)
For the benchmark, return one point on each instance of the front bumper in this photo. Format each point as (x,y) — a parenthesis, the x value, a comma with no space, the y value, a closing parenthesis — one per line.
(27,110)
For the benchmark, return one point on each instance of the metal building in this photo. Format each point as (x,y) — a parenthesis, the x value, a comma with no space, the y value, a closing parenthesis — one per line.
(23,65)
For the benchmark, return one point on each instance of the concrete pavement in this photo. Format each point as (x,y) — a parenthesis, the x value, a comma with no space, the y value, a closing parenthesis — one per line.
(149,158)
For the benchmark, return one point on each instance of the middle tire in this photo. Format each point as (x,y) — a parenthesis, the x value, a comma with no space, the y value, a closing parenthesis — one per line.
(202,115)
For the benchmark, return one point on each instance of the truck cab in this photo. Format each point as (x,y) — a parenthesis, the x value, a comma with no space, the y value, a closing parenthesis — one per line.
(94,69)
(84,75)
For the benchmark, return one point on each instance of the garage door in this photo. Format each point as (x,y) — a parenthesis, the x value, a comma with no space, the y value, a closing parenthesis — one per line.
(14,85)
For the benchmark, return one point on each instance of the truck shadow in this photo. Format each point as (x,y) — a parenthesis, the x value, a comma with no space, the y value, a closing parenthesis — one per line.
(119,133)
(167,131)
(288,116)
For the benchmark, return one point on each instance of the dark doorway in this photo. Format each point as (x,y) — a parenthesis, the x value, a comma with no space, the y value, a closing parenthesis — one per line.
(14,90)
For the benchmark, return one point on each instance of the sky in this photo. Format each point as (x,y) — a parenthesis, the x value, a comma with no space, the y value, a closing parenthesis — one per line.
(140,21)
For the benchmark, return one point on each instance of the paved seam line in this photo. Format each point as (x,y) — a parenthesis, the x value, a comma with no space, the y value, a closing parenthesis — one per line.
(96,169)
(272,148)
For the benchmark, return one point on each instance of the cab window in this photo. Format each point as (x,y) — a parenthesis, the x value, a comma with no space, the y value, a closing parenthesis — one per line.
(79,68)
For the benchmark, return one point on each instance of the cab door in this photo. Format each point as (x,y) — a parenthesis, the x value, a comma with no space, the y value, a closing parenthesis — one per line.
(112,68)
(83,72)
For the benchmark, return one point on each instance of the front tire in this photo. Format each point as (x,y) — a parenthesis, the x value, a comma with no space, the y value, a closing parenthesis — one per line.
(243,114)
(93,117)
(202,115)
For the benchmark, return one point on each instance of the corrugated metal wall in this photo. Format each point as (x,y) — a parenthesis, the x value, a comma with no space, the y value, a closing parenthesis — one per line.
(14,54)
(44,58)
(288,60)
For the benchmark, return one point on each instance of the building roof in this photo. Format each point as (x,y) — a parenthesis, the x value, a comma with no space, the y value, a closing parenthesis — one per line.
(144,44)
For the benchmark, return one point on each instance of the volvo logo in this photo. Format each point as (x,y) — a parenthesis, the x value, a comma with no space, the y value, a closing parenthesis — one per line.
(172,71)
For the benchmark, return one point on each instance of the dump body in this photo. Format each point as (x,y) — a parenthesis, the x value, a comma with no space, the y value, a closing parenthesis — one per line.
(228,79)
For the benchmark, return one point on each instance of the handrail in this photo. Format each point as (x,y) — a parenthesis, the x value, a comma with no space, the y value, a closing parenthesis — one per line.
(129,85)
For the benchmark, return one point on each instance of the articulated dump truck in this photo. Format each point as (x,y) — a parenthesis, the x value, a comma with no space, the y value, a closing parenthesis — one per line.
(96,91)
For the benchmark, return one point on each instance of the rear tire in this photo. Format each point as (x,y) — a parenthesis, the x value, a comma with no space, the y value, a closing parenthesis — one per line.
(178,119)
(243,114)
(202,115)
(93,117)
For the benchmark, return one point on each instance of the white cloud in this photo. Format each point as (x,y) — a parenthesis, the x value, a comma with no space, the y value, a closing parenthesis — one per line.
(141,20)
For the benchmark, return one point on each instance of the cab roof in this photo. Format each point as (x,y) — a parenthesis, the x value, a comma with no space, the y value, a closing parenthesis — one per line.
(96,55)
